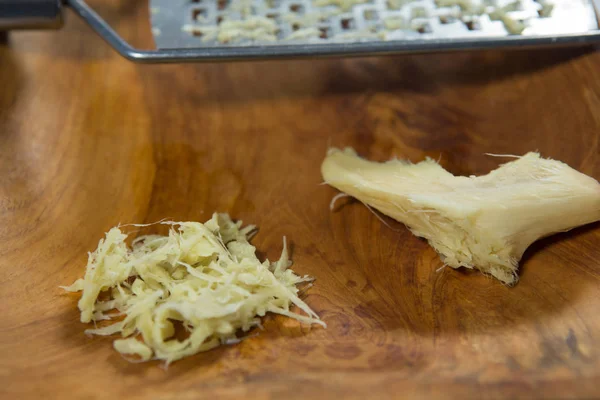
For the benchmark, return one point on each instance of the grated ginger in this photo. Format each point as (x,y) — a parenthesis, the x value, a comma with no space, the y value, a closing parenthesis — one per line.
(485,222)
(345,5)
(230,31)
(206,276)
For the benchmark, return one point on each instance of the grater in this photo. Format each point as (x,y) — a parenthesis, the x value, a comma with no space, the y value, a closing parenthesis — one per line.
(227,30)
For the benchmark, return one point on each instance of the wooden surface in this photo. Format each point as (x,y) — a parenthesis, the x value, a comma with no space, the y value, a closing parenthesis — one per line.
(88,140)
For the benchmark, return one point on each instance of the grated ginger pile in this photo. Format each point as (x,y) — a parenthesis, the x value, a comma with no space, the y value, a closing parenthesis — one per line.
(206,276)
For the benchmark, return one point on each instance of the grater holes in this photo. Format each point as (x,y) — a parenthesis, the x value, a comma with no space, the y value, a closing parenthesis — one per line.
(347,23)
(447,19)
(222,4)
(297,8)
(324,33)
(472,25)
(543,14)
(198,13)
(295,27)
(274,17)
(423,28)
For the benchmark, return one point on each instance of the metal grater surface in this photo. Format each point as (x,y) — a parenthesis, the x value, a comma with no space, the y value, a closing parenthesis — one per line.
(234,23)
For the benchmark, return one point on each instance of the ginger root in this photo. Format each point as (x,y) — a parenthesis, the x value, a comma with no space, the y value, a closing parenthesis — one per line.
(484,222)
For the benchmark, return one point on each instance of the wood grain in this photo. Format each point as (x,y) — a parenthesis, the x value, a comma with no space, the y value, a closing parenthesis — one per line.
(88,140)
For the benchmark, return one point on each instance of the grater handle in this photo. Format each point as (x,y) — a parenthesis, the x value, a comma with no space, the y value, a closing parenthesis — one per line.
(30,14)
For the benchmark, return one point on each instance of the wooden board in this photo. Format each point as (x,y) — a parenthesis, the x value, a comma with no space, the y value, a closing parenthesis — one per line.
(89,140)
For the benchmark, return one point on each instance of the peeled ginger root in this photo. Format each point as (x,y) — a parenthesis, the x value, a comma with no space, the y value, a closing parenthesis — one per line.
(206,277)
(483,222)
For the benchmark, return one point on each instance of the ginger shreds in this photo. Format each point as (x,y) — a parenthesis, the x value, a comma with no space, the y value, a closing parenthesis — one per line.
(484,222)
(254,28)
(343,4)
(204,277)
(305,33)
